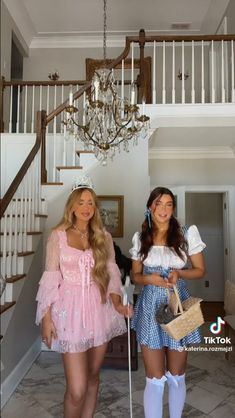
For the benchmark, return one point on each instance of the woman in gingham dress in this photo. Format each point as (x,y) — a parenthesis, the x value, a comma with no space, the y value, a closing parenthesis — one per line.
(160,253)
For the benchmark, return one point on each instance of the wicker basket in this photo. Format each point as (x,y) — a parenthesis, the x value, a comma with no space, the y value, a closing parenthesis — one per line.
(188,316)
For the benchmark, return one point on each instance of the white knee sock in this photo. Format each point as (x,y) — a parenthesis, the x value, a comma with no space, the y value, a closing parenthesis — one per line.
(177,394)
(153,394)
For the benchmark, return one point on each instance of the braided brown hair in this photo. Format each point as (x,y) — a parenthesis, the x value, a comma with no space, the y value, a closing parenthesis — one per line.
(175,238)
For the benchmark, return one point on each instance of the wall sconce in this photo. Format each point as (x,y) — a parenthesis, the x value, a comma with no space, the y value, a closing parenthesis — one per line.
(180,75)
(54,76)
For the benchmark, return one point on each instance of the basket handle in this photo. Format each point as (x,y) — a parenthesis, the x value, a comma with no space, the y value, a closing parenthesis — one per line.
(178,299)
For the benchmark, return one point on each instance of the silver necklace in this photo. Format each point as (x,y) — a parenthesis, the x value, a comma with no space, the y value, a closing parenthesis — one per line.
(83,234)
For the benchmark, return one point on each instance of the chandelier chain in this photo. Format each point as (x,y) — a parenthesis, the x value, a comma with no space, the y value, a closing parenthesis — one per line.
(105,30)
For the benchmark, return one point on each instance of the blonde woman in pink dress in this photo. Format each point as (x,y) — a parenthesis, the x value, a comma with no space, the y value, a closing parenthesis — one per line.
(79,298)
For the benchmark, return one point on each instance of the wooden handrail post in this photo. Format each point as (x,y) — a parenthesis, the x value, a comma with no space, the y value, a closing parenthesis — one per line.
(142,91)
(1,104)
(41,133)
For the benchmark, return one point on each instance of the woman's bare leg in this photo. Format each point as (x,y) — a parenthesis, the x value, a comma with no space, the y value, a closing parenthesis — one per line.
(76,375)
(154,362)
(95,360)
(176,361)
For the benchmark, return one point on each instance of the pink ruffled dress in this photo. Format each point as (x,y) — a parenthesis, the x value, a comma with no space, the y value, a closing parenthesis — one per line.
(81,320)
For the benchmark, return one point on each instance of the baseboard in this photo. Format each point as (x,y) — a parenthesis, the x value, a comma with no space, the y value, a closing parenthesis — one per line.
(11,382)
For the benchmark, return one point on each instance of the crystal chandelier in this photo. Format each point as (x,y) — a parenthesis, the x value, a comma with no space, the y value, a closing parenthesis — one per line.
(107,119)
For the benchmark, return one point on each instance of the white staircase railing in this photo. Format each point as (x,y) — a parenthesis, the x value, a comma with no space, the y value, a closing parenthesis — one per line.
(20,214)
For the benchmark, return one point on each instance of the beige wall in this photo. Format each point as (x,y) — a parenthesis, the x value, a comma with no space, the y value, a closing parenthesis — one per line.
(9,29)
(230,14)
(192,172)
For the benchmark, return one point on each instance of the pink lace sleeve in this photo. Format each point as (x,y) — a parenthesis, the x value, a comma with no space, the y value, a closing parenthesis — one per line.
(51,278)
(114,272)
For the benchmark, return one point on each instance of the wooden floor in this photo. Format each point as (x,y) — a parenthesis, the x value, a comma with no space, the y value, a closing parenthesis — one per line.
(211,310)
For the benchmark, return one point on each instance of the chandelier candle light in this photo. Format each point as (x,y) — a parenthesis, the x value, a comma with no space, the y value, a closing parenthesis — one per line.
(107,120)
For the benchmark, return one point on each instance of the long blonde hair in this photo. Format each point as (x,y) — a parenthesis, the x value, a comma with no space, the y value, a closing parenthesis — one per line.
(97,238)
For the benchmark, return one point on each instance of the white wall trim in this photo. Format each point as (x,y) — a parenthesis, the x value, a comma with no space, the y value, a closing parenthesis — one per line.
(75,41)
(55,40)
(182,153)
(11,382)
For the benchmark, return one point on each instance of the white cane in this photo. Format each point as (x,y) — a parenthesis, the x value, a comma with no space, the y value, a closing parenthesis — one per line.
(127,291)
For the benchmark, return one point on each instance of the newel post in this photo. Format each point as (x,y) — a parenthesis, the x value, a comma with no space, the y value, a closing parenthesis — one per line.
(41,135)
(142,90)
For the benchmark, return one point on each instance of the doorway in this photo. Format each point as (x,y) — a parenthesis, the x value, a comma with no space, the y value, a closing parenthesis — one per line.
(206,210)
(16,74)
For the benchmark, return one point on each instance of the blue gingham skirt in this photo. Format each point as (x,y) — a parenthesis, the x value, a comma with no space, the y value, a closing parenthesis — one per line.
(148,331)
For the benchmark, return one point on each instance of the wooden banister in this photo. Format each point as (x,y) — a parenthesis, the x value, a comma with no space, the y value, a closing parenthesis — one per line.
(41,118)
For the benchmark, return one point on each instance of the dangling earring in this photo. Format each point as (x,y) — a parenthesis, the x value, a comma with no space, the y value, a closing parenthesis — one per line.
(149,217)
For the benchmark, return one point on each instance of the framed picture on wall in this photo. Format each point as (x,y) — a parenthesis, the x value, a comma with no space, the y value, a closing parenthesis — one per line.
(111,211)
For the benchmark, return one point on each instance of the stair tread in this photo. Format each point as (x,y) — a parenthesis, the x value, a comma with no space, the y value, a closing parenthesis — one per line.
(25,253)
(28,233)
(13,215)
(40,215)
(52,184)
(6,306)
(15,278)
(84,152)
(62,167)
(21,254)
(42,200)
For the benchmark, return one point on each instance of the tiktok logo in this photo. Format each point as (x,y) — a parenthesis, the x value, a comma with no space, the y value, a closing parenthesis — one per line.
(216,327)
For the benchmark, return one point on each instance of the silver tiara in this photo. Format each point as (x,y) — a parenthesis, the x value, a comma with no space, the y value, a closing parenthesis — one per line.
(83,182)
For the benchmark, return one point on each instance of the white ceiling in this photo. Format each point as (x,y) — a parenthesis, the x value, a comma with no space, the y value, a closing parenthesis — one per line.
(38,19)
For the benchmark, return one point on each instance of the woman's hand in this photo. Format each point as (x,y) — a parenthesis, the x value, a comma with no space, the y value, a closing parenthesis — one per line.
(173,276)
(126,310)
(157,280)
(48,330)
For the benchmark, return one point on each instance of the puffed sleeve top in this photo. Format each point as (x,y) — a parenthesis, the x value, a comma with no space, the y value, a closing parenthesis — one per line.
(165,256)
(66,264)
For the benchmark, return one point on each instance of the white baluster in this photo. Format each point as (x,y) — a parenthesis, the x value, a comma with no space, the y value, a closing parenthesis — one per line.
(54,158)
(62,126)
(173,72)
(183,89)
(163,72)
(25,108)
(212,73)
(10,248)
(29,200)
(74,152)
(202,74)
(222,73)
(132,63)
(15,244)
(4,246)
(33,194)
(122,90)
(232,74)
(47,104)
(154,73)
(54,121)
(193,89)
(33,109)
(40,97)
(21,219)
(10,118)
(18,111)
(25,213)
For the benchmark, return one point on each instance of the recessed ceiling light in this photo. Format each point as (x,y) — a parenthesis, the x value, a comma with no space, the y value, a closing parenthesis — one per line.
(180,25)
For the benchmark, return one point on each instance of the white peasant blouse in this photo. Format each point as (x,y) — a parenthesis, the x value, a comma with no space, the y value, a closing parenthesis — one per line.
(164,256)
